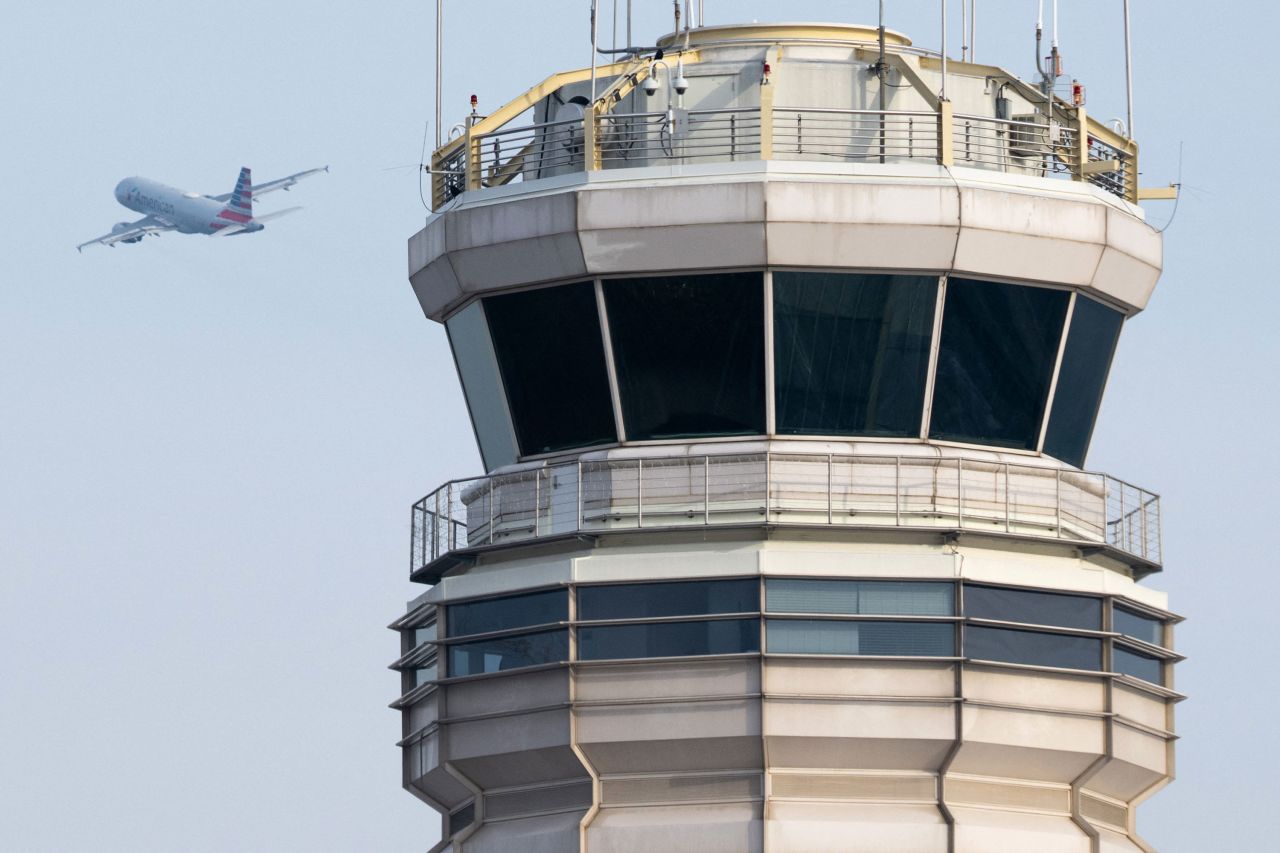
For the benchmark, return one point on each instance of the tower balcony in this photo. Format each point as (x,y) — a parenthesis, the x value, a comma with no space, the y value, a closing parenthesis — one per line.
(783,92)
(599,494)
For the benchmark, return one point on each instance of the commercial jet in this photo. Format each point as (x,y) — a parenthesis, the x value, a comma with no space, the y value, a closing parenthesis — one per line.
(168,209)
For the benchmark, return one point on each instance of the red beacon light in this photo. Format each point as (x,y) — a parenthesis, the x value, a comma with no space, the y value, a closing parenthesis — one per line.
(1077,93)
(764,80)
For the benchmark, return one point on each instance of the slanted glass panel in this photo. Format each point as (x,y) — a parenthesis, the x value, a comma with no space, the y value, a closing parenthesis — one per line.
(885,598)
(551,353)
(499,654)
(501,614)
(668,639)
(1137,664)
(461,819)
(478,371)
(425,672)
(1032,647)
(995,362)
(851,352)
(1033,608)
(829,637)
(1091,343)
(425,634)
(1145,628)
(689,352)
(682,598)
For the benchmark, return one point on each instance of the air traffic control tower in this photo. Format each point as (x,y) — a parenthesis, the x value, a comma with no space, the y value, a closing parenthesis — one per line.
(783,352)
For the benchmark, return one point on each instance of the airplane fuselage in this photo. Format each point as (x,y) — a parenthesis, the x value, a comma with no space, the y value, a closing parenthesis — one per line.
(190,212)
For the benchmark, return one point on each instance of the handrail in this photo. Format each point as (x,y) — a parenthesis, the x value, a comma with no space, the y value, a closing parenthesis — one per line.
(797,489)
(1074,146)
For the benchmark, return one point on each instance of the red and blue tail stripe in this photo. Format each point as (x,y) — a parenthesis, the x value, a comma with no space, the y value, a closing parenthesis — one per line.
(240,207)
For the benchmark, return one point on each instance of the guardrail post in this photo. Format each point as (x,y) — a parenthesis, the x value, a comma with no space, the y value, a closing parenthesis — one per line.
(897,491)
(946,134)
(706,490)
(768,481)
(1080,126)
(579,524)
(448,525)
(639,493)
(592,161)
(1007,518)
(1057,500)
(472,159)
(537,503)
(960,492)
(766,107)
(1120,522)
(435,529)
(1144,528)
(493,499)
(829,488)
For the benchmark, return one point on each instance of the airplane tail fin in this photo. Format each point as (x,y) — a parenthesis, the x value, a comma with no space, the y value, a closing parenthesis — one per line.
(241,201)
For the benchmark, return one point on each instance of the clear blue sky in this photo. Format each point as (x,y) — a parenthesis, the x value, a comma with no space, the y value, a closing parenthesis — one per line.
(208,448)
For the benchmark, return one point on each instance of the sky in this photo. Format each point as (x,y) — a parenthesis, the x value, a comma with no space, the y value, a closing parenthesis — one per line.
(209,448)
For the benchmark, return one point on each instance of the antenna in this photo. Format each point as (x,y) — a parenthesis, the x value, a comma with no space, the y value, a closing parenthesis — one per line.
(1128,70)
(439,50)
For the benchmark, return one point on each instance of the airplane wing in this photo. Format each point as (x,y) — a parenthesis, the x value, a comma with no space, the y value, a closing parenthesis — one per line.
(278,184)
(131,231)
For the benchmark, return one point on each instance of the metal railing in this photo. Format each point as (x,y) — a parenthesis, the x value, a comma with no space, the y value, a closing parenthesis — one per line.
(786,488)
(861,136)
(679,136)
(1026,147)
(507,148)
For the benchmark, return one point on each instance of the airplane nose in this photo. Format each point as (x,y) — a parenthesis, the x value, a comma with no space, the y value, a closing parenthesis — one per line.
(122,189)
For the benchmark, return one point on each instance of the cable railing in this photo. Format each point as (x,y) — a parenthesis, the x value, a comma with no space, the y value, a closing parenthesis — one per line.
(1019,146)
(861,136)
(679,137)
(794,489)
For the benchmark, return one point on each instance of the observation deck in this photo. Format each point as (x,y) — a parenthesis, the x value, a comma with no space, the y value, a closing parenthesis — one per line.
(947,494)
(771,110)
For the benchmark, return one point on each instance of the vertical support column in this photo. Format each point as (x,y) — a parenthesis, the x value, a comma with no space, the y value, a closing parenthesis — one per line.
(766,106)
(1080,126)
(946,134)
(591,158)
(473,159)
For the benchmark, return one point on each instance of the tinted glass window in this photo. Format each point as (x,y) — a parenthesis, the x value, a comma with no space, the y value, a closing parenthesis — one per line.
(1137,664)
(425,634)
(1034,608)
(462,818)
(889,598)
(501,614)
(1032,647)
(478,370)
(503,653)
(995,362)
(851,352)
(827,637)
(689,352)
(1091,342)
(687,598)
(551,354)
(428,671)
(1144,628)
(669,639)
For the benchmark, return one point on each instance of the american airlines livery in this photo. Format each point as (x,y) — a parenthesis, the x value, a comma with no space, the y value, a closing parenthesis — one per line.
(169,209)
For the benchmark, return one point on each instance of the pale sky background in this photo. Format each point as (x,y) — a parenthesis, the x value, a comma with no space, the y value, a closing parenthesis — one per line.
(209,448)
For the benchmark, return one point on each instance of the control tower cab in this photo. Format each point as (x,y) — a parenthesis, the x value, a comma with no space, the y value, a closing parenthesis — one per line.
(783,352)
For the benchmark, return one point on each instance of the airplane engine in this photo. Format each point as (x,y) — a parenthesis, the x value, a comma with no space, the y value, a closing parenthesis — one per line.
(124,226)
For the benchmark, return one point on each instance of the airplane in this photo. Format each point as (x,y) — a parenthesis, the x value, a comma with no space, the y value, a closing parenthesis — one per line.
(170,209)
